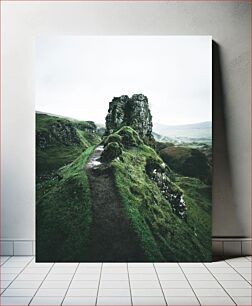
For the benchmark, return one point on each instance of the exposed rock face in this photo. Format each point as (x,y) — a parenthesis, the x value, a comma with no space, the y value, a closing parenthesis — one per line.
(64,133)
(133,112)
(159,173)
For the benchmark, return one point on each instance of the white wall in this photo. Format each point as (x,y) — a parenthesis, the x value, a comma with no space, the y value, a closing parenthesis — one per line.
(227,22)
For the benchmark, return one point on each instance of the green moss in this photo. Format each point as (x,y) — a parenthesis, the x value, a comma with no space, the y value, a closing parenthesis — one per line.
(63,213)
(113,138)
(163,235)
(129,137)
(112,150)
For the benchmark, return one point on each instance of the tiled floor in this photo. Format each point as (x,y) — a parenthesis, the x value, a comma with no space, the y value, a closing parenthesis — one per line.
(24,282)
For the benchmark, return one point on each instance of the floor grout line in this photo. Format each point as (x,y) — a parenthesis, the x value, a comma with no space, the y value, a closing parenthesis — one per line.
(41,283)
(189,284)
(16,276)
(131,299)
(96,300)
(160,283)
(220,284)
(9,257)
(239,272)
(70,283)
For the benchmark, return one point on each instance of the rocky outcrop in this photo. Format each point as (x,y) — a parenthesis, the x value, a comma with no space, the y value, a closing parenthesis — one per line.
(159,173)
(133,112)
(57,132)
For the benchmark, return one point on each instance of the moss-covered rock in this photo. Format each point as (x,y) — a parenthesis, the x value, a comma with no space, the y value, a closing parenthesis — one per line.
(113,138)
(129,137)
(133,112)
(111,151)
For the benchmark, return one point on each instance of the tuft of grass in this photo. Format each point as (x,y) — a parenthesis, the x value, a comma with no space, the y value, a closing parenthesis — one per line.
(63,213)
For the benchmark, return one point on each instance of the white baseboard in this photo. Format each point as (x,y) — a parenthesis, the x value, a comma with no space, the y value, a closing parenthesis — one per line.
(222,247)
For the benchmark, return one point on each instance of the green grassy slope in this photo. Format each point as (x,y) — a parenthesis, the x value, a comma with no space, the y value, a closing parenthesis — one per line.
(163,235)
(63,201)
(59,141)
(63,213)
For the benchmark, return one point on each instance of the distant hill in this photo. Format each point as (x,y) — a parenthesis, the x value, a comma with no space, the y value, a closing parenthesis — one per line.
(197,132)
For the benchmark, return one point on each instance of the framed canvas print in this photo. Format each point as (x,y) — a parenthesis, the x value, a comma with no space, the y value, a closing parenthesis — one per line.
(123,148)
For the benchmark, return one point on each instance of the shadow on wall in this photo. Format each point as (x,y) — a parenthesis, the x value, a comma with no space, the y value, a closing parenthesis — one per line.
(225,215)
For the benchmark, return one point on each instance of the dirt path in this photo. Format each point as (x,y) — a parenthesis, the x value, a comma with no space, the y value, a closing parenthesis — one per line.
(112,238)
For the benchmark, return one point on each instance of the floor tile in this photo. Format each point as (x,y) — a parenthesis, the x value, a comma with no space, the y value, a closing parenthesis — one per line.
(103,300)
(114,264)
(243,300)
(40,265)
(162,270)
(239,291)
(19,292)
(241,264)
(220,270)
(220,300)
(9,270)
(15,300)
(166,264)
(175,284)
(82,292)
(30,276)
(136,270)
(216,264)
(55,284)
(234,284)
(5,283)
(201,276)
(140,264)
(47,300)
(29,270)
(79,300)
(51,292)
(180,300)
(194,270)
(114,292)
(145,284)
(178,292)
(84,284)
(14,264)
(91,277)
(88,270)
(63,270)
(7,277)
(25,284)
(247,277)
(58,277)
(243,270)
(21,258)
(3,259)
(150,300)
(210,292)
(115,276)
(236,259)
(204,284)
(172,276)
(114,284)
(66,265)
(229,276)
(146,292)
(114,269)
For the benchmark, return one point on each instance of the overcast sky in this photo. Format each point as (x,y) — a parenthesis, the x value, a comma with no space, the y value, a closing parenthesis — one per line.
(77,76)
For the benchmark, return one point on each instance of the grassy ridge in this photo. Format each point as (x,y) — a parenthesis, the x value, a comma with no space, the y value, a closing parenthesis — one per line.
(163,235)
(63,214)
(64,141)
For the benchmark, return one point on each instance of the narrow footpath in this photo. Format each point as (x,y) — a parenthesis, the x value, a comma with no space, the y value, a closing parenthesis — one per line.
(111,238)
